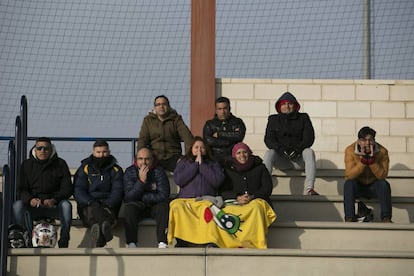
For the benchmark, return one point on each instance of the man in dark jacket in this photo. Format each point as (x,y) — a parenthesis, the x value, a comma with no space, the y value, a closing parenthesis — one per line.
(98,192)
(147,192)
(162,131)
(44,187)
(289,137)
(223,131)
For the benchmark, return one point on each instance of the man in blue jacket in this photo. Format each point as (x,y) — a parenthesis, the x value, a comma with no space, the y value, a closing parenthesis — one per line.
(147,192)
(289,137)
(98,192)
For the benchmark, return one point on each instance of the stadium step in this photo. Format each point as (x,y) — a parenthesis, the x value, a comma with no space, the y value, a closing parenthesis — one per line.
(322,208)
(309,235)
(208,262)
(330,208)
(330,182)
(309,231)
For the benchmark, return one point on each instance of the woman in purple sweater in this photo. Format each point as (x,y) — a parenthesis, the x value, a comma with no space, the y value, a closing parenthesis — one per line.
(197,174)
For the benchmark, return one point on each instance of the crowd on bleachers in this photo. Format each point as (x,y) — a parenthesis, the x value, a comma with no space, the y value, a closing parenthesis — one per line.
(224,189)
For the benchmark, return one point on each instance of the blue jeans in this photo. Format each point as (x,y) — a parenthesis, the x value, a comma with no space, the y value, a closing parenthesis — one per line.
(378,189)
(305,161)
(63,212)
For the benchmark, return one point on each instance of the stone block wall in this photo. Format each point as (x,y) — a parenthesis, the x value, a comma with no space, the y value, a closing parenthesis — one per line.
(338,109)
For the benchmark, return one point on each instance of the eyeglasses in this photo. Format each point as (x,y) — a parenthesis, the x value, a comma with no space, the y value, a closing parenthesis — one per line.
(39,148)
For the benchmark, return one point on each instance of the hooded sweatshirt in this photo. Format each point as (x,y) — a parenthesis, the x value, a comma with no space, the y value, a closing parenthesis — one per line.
(49,179)
(289,131)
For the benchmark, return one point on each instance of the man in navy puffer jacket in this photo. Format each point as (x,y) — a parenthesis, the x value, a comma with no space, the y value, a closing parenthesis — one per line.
(98,192)
(147,193)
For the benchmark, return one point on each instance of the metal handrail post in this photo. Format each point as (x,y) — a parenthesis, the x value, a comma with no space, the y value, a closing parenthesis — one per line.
(5,220)
(23,116)
(18,156)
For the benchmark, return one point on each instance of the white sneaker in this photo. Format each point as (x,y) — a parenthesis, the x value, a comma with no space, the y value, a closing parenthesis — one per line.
(132,245)
(162,245)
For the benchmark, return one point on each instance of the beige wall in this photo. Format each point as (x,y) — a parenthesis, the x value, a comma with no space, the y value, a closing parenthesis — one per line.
(338,109)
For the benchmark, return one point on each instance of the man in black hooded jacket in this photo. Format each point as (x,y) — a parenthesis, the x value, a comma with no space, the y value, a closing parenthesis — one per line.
(289,137)
(44,187)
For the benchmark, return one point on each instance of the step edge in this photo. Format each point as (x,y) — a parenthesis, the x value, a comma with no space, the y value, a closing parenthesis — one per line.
(35,252)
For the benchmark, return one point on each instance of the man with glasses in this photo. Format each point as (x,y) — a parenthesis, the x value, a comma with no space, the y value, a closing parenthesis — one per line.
(44,186)
(162,131)
(366,167)
(146,194)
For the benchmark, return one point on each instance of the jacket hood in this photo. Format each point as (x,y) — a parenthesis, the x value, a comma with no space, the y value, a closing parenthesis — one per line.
(287,96)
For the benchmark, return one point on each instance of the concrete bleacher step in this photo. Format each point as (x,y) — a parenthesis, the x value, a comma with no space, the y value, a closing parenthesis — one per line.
(341,236)
(294,235)
(322,208)
(308,232)
(330,208)
(207,262)
(334,186)
(330,182)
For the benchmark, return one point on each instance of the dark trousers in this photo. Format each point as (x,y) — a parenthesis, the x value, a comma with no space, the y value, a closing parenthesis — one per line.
(96,214)
(378,189)
(136,211)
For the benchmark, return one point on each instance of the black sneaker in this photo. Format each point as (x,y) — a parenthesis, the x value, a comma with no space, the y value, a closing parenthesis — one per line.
(63,243)
(95,232)
(107,231)
(364,214)
(312,192)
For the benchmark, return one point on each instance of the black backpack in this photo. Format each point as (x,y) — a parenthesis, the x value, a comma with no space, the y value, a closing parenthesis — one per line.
(18,237)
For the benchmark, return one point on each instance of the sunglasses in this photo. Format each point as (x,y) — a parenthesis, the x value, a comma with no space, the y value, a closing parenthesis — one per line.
(39,148)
